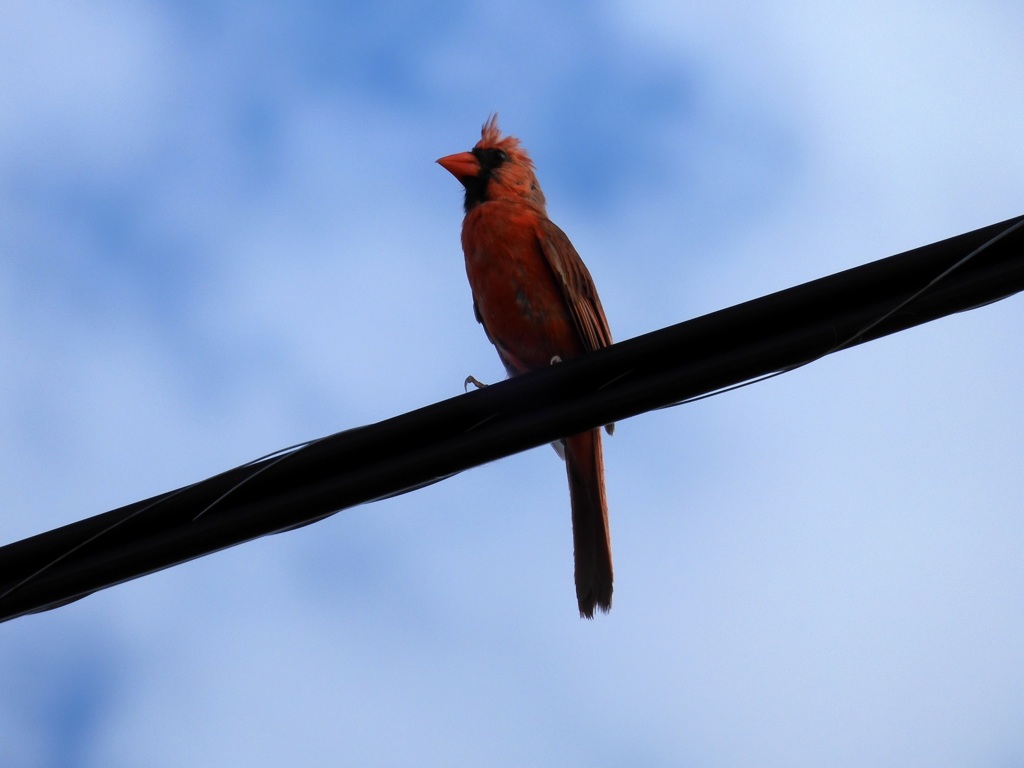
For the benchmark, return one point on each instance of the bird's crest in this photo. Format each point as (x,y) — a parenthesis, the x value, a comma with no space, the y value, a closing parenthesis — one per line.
(490,133)
(490,136)
(514,178)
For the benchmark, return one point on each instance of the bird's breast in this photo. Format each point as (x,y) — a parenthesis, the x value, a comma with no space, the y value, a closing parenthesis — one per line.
(515,291)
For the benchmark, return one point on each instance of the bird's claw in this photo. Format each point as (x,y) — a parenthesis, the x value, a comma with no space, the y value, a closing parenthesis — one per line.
(474,381)
(555,359)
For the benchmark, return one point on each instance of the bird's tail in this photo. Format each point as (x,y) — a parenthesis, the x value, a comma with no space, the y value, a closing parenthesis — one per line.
(592,546)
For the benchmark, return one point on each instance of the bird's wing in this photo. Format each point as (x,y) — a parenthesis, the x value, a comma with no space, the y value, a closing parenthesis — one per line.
(577,286)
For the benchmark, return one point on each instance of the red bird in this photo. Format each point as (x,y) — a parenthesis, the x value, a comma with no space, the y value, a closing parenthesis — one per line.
(538,305)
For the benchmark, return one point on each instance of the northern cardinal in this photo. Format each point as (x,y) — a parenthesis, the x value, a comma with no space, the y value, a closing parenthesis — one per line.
(538,305)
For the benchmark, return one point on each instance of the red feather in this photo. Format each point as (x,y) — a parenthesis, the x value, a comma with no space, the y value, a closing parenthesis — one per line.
(538,304)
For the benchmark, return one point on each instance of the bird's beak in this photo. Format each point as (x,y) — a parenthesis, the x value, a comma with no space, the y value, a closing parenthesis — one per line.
(462,165)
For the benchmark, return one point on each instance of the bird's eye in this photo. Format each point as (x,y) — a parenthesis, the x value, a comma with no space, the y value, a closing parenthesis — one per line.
(489,157)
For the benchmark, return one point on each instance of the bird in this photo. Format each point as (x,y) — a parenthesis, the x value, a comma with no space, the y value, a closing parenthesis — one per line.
(538,305)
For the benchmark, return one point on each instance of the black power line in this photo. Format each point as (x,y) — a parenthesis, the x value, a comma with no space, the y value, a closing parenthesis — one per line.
(305,484)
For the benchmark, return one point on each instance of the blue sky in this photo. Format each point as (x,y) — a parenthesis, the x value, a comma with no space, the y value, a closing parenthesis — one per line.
(223,232)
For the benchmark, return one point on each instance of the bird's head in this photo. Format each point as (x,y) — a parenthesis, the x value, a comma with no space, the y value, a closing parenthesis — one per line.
(497,168)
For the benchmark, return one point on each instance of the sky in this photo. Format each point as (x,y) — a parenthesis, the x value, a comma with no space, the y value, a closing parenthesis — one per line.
(222,232)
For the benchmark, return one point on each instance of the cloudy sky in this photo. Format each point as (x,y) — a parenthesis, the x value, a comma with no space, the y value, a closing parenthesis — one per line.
(222,232)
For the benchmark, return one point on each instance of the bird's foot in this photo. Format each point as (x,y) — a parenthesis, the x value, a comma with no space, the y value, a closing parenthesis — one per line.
(474,381)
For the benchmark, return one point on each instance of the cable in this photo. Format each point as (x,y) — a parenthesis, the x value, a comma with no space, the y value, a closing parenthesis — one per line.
(699,358)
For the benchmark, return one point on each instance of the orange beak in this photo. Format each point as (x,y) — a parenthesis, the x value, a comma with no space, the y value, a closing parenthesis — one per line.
(462,165)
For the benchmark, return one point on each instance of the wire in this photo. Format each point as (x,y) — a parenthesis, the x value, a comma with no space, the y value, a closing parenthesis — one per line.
(864,330)
(703,357)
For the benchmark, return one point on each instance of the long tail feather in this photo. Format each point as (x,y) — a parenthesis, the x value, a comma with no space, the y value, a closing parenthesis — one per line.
(592,547)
